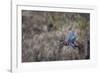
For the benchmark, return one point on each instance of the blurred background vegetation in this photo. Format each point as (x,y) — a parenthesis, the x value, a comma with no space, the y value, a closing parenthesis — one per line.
(42,30)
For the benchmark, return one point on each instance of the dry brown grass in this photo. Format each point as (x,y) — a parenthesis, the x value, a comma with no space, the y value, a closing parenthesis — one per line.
(42,32)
